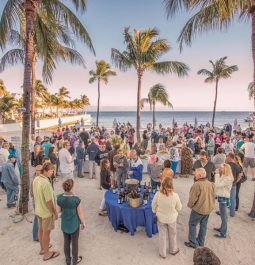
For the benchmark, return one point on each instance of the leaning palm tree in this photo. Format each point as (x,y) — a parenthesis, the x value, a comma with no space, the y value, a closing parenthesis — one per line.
(220,70)
(11,16)
(156,94)
(143,50)
(213,15)
(102,73)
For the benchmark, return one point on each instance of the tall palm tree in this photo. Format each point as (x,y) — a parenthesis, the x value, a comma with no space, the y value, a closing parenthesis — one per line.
(84,101)
(214,15)
(156,94)
(143,50)
(220,70)
(11,16)
(102,73)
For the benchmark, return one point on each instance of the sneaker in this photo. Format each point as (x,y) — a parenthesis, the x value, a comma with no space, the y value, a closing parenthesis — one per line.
(216,229)
(220,235)
(190,245)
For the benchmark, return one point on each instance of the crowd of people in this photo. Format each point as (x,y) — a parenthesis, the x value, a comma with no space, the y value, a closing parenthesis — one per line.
(218,159)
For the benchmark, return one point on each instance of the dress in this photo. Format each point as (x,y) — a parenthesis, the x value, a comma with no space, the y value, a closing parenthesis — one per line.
(186,161)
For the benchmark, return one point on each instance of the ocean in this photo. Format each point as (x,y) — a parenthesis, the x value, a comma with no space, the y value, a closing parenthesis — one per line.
(166,118)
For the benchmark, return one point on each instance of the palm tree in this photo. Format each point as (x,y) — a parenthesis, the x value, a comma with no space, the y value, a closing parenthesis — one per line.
(220,70)
(143,50)
(11,16)
(7,105)
(251,91)
(213,15)
(84,101)
(156,94)
(102,73)
(3,90)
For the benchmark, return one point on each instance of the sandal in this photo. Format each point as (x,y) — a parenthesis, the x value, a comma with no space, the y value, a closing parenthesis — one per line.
(176,252)
(79,259)
(53,255)
(41,252)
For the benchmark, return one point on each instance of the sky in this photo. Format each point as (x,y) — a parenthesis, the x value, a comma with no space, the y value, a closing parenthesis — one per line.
(105,21)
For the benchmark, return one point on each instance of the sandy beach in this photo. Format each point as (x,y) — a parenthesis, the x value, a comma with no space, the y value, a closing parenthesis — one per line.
(101,245)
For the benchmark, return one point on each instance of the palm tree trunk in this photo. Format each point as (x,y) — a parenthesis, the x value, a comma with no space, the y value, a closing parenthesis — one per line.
(138,110)
(30,7)
(33,97)
(215,102)
(252,11)
(98,99)
(153,115)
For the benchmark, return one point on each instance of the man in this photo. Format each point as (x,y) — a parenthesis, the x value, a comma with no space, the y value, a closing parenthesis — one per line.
(248,149)
(111,155)
(80,156)
(10,181)
(45,209)
(228,146)
(100,155)
(92,151)
(203,162)
(136,166)
(237,173)
(4,153)
(121,164)
(84,135)
(46,146)
(66,162)
(38,140)
(210,146)
(201,202)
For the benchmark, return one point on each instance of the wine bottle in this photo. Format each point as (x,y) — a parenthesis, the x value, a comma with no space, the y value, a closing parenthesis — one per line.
(149,187)
(145,198)
(114,188)
(119,199)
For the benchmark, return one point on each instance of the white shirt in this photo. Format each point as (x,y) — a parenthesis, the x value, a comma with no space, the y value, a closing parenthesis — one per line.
(228,147)
(66,161)
(249,149)
(166,207)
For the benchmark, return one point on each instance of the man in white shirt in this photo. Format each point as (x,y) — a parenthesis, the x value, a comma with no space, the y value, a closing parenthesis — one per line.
(66,162)
(248,149)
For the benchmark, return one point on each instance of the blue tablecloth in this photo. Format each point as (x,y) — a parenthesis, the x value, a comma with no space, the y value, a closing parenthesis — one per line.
(130,217)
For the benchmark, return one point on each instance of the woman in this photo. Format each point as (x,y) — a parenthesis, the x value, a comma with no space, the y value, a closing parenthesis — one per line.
(72,219)
(167,171)
(199,145)
(223,185)
(166,204)
(238,184)
(204,255)
(174,157)
(219,158)
(105,176)
(54,159)
(186,160)
(37,156)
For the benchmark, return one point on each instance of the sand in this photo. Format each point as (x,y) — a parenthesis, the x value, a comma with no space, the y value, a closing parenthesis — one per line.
(101,245)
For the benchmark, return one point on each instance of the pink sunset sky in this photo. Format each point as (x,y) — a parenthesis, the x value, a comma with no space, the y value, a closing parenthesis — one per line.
(187,94)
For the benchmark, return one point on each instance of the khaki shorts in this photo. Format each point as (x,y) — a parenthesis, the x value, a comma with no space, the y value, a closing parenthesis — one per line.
(47,224)
(249,162)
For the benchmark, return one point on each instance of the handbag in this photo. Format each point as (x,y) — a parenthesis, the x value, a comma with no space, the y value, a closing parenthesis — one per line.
(243,177)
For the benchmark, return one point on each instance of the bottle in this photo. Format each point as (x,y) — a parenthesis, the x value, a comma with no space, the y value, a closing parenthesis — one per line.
(149,187)
(114,188)
(119,199)
(145,198)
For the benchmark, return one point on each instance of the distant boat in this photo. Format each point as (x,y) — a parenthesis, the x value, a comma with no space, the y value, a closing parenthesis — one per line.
(250,118)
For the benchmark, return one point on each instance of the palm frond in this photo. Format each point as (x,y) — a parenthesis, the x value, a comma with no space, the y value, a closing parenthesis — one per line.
(175,67)
(205,72)
(11,58)
(121,60)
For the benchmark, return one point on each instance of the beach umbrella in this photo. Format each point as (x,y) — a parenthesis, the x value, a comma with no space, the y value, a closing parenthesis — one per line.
(195,124)
(235,123)
(82,122)
(173,122)
(59,122)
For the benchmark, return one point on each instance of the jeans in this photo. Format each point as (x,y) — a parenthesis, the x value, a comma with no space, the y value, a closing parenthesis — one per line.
(233,201)
(121,177)
(155,184)
(79,167)
(238,186)
(35,229)
(174,165)
(12,194)
(68,239)
(224,218)
(102,205)
(194,220)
